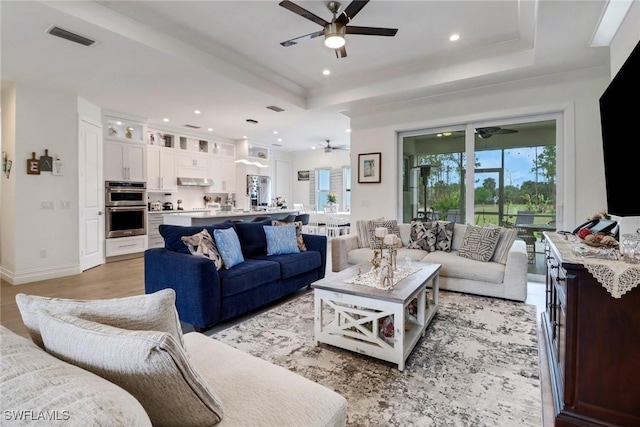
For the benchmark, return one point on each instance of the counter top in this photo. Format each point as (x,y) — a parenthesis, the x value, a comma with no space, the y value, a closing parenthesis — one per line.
(179,212)
(204,218)
(218,214)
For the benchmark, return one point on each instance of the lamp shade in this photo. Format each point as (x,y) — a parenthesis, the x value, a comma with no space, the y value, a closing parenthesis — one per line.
(380,232)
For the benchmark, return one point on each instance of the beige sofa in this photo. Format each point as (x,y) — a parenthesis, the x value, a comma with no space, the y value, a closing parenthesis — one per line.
(508,281)
(85,373)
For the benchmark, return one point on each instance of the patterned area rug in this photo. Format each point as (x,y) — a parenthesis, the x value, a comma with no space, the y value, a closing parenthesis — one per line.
(476,366)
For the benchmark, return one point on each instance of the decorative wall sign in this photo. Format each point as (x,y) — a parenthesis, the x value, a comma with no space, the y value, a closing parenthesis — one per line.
(303,175)
(369,168)
(57,166)
(46,162)
(33,165)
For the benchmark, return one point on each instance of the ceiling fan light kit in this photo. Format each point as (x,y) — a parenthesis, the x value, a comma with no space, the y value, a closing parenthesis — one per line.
(334,31)
(334,37)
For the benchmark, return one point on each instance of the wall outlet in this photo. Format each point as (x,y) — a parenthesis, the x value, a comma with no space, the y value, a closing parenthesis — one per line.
(47,204)
(65,204)
(43,253)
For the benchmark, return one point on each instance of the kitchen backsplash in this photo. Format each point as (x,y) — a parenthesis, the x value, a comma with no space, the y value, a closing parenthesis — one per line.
(192,198)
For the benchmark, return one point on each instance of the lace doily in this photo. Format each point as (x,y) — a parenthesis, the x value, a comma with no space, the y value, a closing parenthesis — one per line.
(617,277)
(370,278)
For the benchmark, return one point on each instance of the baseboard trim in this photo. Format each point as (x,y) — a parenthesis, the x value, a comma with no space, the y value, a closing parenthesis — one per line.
(35,275)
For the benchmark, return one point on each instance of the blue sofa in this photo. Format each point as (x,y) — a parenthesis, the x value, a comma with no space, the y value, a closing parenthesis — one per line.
(205,296)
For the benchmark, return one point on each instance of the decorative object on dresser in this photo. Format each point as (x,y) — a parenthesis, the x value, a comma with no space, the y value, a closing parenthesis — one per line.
(592,331)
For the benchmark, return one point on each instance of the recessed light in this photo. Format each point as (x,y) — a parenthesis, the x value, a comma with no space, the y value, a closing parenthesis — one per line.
(119,123)
(275,132)
(279,139)
(326,72)
(210,129)
(313,148)
(165,120)
(196,111)
(454,37)
(439,135)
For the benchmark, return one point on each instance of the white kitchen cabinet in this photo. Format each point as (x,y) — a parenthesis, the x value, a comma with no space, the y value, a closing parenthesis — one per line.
(191,165)
(228,169)
(161,169)
(153,232)
(223,173)
(125,245)
(124,161)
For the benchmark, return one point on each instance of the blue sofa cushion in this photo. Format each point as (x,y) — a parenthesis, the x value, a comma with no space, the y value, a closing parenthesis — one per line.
(251,274)
(281,240)
(172,234)
(293,264)
(229,247)
(252,238)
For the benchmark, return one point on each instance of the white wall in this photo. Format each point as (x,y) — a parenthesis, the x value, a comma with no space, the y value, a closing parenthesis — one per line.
(45,241)
(311,160)
(575,93)
(625,39)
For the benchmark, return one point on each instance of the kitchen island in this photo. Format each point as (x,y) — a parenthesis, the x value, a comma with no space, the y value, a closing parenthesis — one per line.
(209,217)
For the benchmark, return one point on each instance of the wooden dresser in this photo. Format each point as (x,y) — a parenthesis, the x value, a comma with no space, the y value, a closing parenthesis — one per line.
(593,343)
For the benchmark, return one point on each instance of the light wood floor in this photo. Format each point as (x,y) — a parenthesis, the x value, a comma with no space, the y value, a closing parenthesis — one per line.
(126,278)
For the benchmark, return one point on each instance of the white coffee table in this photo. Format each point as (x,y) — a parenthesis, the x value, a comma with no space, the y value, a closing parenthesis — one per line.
(349,315)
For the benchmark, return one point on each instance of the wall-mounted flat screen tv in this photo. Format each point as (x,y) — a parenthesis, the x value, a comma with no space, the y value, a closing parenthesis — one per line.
(619,117)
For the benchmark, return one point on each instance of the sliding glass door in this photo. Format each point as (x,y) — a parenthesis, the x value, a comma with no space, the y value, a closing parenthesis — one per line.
(514,169)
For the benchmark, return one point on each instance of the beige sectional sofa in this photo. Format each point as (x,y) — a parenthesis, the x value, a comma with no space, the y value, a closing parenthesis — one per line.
(494,279)
(143,377)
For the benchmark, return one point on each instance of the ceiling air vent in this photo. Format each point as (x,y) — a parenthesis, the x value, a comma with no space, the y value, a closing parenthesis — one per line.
(192,126)
(276,109)
(68,35)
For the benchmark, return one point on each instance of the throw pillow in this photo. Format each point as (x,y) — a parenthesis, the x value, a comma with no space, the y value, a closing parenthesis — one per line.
(392,228)
(229,247)
(445,235)
(281,240)
(150,365)
(424,235)
(479,243)
(507,237)
(202,244)
(155,312)
(301,246)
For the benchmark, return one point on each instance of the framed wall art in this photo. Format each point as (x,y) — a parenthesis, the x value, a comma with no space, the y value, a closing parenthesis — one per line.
(369,168)
(303,175)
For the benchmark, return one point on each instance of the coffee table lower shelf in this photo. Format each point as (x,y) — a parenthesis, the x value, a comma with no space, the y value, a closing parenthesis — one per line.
(358,322)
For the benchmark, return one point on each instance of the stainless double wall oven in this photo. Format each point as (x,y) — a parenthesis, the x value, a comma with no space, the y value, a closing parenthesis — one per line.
(126,209)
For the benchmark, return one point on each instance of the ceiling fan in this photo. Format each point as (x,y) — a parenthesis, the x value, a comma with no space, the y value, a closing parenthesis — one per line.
(329,148)
(488,132)
(335,30)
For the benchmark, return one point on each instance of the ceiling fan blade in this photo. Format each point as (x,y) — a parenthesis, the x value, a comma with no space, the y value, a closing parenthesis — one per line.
(302,38)
(372,31)
(341,52)
(352,10)
(303,12)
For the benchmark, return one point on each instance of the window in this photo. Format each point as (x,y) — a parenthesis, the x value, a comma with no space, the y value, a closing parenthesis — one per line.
(323,187)
(346,188)
(514,168)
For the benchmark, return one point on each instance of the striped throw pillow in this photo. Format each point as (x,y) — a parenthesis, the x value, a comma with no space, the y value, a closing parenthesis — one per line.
(479,243)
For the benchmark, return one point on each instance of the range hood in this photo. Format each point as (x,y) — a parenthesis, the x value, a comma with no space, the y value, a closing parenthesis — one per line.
(195,182)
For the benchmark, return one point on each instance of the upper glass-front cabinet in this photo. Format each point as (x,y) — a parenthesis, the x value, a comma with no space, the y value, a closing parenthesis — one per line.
(223,149)
(118,128)
(259,152)
(162,139)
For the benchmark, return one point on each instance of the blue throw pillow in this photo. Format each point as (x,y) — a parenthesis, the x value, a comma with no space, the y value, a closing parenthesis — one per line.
(281,240)
(228,246)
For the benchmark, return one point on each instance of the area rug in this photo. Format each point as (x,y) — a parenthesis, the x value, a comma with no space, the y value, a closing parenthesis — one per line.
(476,366)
